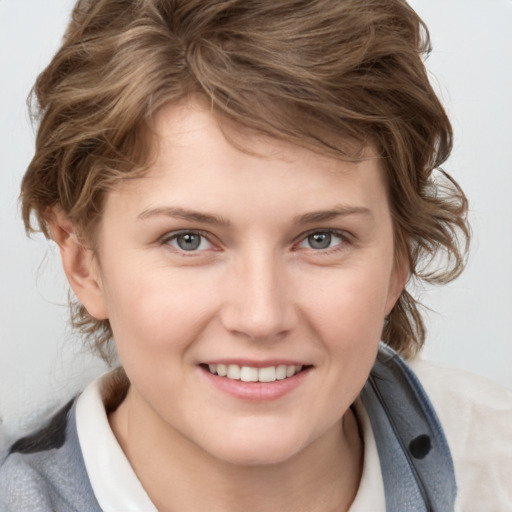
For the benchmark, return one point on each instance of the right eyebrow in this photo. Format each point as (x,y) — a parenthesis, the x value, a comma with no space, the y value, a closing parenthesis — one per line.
(184,214)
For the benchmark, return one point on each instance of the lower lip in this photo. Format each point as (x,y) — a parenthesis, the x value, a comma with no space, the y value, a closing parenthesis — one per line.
(256,391)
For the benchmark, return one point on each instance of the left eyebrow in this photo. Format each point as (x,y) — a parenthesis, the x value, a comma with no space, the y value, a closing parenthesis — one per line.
(340,211)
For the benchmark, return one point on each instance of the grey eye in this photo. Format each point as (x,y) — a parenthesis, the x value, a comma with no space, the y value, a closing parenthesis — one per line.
(319,240)
(322,240)
(188,241)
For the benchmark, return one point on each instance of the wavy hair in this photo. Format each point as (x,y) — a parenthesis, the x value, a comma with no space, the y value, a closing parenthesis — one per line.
(332,75)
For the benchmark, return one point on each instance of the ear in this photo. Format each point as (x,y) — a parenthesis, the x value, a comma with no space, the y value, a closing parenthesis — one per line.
(80,264)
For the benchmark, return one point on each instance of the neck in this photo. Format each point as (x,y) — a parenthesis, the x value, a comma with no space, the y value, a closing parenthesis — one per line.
(324,476)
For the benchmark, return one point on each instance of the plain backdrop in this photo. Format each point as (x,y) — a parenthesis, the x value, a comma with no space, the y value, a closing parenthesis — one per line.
(41,361)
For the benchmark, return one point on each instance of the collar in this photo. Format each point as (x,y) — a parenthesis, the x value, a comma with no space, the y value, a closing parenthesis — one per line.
(112,478)
(416,462)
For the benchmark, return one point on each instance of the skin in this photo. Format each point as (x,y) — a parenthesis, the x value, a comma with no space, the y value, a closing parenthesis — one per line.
(255,289)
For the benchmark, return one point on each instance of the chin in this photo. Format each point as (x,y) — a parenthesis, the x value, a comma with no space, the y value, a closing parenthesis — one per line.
(255,455)
(256,449)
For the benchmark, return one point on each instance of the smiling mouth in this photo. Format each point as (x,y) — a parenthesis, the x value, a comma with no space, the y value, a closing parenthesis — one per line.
(252,374)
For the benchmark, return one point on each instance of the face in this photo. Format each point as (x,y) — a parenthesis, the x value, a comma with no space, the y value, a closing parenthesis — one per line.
(274,265)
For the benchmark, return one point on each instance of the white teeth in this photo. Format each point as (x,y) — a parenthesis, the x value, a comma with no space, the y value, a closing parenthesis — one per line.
(251,374)
(267,374)
(248,374)
(233,372)
(281,372)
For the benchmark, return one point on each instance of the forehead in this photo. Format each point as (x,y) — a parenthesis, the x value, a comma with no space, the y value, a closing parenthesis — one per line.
(205,160)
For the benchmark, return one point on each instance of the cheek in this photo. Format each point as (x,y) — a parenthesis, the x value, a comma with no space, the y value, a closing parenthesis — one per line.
(347,315)
(352,301)
(157,310)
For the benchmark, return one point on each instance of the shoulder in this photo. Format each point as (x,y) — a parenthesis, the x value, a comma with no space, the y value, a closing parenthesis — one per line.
(44,471)
(476,415)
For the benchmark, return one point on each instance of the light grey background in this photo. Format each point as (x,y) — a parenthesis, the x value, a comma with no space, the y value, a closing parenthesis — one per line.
(41,362)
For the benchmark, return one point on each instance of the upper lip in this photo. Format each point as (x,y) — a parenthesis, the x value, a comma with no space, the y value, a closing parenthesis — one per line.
(256,364)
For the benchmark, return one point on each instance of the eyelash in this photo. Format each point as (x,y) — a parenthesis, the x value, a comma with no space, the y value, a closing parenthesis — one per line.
(342,235)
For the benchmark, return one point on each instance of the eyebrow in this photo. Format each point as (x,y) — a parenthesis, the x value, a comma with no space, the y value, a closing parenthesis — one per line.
(339,211)
(207,218)
(183,213)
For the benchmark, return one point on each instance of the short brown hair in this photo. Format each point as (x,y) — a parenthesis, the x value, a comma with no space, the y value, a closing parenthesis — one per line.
(315,72)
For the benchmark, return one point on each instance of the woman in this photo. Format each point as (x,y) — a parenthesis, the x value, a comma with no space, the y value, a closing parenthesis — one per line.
(240,192)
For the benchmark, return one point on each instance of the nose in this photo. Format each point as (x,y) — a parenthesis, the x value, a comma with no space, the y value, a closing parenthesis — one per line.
(258,302)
